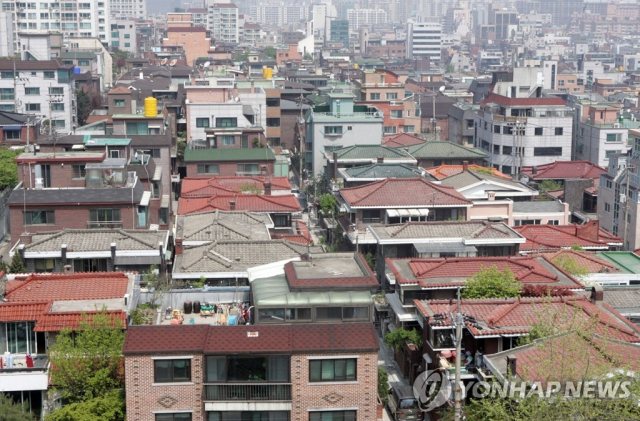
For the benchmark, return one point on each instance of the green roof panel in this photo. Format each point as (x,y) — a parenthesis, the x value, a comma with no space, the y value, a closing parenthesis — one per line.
(239,154)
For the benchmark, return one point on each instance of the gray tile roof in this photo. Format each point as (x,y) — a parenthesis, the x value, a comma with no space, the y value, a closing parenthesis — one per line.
(76,196)
(96,240)
(444,150)
(538,206)
(13,119)
(220,225)
(235,256)
(417,231)
(621,298)
(370,152)
(385,170)
(468,178)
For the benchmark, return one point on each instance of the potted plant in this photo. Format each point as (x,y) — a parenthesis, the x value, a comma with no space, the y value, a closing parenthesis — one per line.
(383,391)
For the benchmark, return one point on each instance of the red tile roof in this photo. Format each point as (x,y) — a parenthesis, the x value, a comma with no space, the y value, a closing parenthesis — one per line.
(403,139)
(585,259)
(204,187)
(561,170)
(14,312)
(516,316)
(444,171)
(366,282)
(253,339)
(187,29)
(301,234)
(68,287)
(120,90)
(56,321)
(454,272)
(518,102)
(244,202)
(543,238)
(402,192)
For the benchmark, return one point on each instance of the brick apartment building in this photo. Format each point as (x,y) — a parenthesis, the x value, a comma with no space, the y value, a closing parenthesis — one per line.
(295,372)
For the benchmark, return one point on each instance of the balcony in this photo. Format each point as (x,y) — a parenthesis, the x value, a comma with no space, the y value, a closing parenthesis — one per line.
(247,392)
(21,378)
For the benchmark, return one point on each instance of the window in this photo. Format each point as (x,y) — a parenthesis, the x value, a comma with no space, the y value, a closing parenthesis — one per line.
(374,96)
(242,368)
(608,184)
(558,131)
(104,215)
(127,44)
(127,36)
(49,74)
(521,222)
(342,313)
(612,137)
(32,91)
(396,113)
(332,416)
(273,122)
(506,169)
(12,134)
(6,94)
(389,129)
(202,122)
(392,95)
(409,129)
(6,75)
(332,129)
(58,123)
(332,370)
(371,216)
(39,217)
(496,129)
(538,131)
(118,103)
(137,128)
(469,124)
(57,106)
(79,171)
(506,150)
(179,416)
(496,149)
(608,154)
(547,151)
(247,169)
(228,140)
(553,222)
(207,168)
(607,207)
(248,416)
(227,122)
(56,91)
(45,265)
(507,130)
(171,371)
(32,107)
(83,62)
(273,102)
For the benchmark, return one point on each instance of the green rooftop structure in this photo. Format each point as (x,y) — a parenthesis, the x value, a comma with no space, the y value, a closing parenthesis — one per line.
(107,142)
(627,261)
(238,154)
(435,153)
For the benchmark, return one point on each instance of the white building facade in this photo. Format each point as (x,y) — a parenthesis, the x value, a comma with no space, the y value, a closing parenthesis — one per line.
(365,17)
(424,39)
(224,22)
(120,9)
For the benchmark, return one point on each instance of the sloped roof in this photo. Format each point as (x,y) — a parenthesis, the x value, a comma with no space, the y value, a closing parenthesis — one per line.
(366,152)
(402,192)
(26,312)
(96,240)
(382,170)
(465,179)
(285,338)
(201,187)
(8,118)
(56,321)
(245,202)
(299,235)
(555,237)
(401,140)
(622,299)
(444,171)
(454,272)
(119,90)
(560,170)
(427,231)
(584,259)
(516,316)
(221,225)
(235,256)
(515,102)
(68,287)
(444,150)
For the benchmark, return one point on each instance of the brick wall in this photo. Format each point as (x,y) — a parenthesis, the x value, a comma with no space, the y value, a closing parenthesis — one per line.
(143,398)
(361,394)
(23,137)
(72,216)
(61,175)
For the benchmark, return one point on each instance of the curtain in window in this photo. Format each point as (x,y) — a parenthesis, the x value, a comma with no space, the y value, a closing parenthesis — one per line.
(216,369)
(278,368)
(328,369)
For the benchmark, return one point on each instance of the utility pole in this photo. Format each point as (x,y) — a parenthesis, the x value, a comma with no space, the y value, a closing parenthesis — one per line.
(458,387)
(433,120)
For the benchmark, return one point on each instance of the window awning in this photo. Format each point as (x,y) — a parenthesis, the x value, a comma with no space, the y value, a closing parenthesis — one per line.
(164,201)
(146,197)
(395,213)
(157,175)
(11,128)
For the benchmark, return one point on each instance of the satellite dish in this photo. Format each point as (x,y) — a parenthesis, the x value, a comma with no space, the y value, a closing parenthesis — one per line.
(173,62)
(207,64)
(163,62)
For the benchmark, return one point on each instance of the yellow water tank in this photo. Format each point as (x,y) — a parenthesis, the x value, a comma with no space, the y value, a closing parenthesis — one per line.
(355,66)
(150,107)
(269,73)
(264,72)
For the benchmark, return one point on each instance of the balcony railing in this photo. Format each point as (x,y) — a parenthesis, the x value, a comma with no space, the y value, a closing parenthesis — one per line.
(104,224)
(248,392)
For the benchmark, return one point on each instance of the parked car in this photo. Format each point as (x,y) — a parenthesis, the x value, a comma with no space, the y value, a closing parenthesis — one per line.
(403,404)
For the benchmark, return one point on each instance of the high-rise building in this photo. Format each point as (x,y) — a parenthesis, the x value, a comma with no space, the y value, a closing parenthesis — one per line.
(340,32)
(223,22)
(365,17)
(74,18)
(424,39)
(128,8)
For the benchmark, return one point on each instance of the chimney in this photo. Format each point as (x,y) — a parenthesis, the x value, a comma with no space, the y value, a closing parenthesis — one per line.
(66,269)
(589,231)
(597,294)
(335,165)
(380,159)
(263,170)
(465,166)
(25,238)
(534,170)
(512,365)
(267,188)
(232,205)
(491,195)
(63,254)
(178,246)
(21,252)
(113,254)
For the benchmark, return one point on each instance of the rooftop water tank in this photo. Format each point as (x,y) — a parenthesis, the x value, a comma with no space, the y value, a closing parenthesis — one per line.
(150,107)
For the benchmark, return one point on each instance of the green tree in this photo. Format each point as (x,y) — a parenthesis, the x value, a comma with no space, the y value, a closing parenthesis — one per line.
(399,336)
(329,205)
(569,265)
(307,56)
(450,68)
(8,168)
(88,363)
(549,185)
(110,407)
(383,384)
(491,283)
(16,265)
(119,59)
(270,52)
(84,106)
(11,411)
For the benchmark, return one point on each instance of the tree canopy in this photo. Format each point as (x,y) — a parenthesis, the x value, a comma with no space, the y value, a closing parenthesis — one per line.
(11,411)
(491,282)
(8,168)
(110,407)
